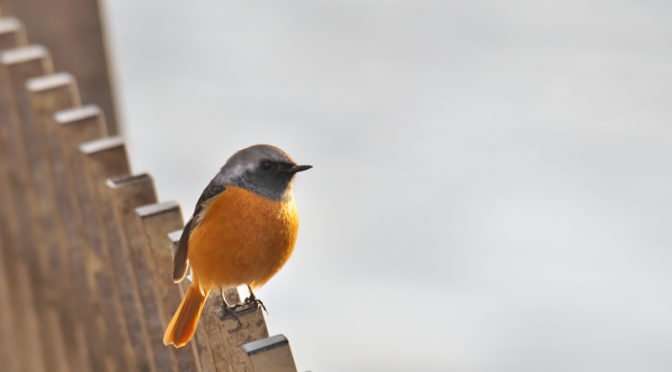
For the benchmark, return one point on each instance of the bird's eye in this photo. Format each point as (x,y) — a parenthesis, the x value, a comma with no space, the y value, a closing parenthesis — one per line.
(266,164)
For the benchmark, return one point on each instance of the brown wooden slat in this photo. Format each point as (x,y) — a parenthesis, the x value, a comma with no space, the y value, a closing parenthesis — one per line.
(100,160)
(127,193)
(73,127)
(12,35)
(72,30)
(271,354)
(25,235)
(156,221)
(252,326)
(48,94)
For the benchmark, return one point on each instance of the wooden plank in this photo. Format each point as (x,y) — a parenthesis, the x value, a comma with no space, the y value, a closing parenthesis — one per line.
(16,66)
(102,159)
(47,95)
(12,35)
(251,327)
(72,30)
(156,220)
(73,127)
(271,354)
(25,235)
(8,355)
(127,193)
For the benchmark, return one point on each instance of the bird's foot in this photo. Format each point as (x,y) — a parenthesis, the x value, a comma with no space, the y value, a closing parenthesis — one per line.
(253,300)
(230,312)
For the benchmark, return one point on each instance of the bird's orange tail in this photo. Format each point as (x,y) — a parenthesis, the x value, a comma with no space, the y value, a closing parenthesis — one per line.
(183,325)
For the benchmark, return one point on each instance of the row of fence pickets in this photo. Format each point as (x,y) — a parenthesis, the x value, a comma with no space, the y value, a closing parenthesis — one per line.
(86,260)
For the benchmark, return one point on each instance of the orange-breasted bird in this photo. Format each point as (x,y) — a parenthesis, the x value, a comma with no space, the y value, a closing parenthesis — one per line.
(243,231)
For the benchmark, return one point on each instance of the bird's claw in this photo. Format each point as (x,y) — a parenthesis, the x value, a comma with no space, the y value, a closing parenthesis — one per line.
(252,300)
(230,311)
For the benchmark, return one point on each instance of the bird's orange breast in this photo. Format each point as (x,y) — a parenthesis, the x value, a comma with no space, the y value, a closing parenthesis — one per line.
(242,238)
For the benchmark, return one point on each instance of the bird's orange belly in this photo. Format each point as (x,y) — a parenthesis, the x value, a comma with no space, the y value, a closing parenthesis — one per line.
(243,238)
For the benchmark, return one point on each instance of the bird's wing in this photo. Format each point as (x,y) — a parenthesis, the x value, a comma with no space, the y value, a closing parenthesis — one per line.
(181,261)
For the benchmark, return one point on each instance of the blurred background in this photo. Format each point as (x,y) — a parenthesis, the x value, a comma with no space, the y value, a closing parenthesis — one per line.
(492,180)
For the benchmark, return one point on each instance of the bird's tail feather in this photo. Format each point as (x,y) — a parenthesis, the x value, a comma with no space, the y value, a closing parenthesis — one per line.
(183,324)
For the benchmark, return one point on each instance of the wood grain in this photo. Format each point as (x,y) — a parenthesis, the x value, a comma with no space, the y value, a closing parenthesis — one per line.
(73,31)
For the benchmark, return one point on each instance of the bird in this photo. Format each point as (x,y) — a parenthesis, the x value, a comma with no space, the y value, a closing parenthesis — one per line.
(243,230)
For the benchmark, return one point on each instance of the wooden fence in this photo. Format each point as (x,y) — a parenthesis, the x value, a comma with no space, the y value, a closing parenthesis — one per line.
(86,247)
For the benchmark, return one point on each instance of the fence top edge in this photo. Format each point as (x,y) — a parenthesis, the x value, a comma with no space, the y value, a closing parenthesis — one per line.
(265,344)
(10,24)
(101,145)
(23,54)
(127,180)
(49,82)
(77,114)
(158,208)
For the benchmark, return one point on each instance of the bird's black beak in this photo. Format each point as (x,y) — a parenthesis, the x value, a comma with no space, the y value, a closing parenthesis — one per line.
(298,168)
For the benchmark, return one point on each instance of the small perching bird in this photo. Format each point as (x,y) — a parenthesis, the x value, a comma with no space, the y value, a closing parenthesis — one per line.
(243,230)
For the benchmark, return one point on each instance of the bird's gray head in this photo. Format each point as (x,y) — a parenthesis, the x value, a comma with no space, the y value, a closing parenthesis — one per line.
(263,169)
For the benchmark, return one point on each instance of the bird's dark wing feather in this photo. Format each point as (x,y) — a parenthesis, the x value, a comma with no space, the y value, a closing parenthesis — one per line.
(181,261)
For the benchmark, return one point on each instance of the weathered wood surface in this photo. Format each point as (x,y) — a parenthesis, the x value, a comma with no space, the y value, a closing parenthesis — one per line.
(25,232)
(127,193)
(47,95)
(156,221)
(71,128)
(100,160)
(12,35)
(73,31)
(271,354)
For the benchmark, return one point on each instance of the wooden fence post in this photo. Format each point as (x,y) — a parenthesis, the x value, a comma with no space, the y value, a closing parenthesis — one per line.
(48,94)
(252,326)
(17,65)
(156,220)
(72,30)
(73,127)
(12,35)
(271,354)
(127,193)
(21,64)
(102,159)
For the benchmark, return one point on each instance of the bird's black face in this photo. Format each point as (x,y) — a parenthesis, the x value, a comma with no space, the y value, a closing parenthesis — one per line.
(272,178)
(280,168)
(263,169)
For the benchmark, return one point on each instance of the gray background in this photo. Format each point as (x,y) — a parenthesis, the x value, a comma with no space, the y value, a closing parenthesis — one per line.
(492,181)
